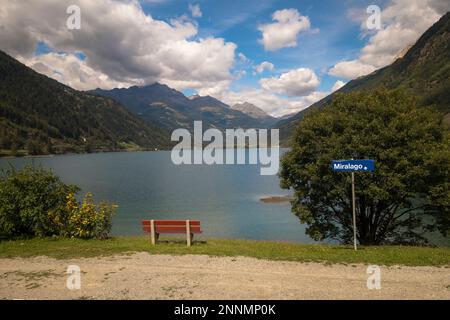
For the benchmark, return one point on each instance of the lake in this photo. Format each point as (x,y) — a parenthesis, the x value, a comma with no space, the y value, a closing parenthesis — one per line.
(146,185)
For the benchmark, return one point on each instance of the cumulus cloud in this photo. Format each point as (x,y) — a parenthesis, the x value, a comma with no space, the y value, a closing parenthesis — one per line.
(71,70)
(284,31)
(271,103)
(403,22)
(264,66)
(195,10)
(243,58)
(295,83)
(351,69)
(289,93)
(337,85)
(120,42)
(214,90)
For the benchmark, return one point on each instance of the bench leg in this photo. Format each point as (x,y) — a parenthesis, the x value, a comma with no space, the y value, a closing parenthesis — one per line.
(153,234)
(188,233)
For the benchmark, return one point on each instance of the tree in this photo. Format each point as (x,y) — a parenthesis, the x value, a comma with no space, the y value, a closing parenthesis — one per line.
(407,195)
(33,148)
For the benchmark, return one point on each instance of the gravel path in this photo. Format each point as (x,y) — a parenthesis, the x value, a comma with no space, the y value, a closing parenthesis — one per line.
(145,276)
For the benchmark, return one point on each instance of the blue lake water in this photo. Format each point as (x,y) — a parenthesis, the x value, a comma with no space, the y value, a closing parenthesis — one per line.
(146,185)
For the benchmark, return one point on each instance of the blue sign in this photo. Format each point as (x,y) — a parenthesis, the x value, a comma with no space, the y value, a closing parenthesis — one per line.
(353,165)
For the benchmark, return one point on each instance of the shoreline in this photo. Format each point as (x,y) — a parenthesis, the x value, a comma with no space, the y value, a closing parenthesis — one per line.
(75,153)
(2,156)
(276,199)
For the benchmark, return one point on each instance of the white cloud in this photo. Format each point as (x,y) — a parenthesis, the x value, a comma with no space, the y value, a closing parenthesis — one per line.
(295,83)
(195,10)
(351,69)
(243,59)
(264,66)
(120,42)
(271,103)
(289,93)
(71,70)
(337,85)
(214,90)
(241,73)
(403,22)
(284,31)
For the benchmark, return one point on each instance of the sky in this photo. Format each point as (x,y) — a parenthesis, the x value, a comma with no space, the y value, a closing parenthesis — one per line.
(281,56)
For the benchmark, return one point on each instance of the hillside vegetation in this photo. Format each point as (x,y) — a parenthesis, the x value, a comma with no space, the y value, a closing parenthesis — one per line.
(171,109)
(423,71)
(39,115)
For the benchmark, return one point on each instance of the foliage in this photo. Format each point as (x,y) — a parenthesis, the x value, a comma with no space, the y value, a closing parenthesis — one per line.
(423,71)
(38,115)
(35,202)
(26,199)
(88,220)
(171,109)
(408,194)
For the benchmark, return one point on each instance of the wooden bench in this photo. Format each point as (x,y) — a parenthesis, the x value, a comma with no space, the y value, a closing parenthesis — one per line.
(156,227)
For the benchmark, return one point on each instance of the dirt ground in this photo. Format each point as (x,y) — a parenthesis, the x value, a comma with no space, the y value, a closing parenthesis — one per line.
(145,276)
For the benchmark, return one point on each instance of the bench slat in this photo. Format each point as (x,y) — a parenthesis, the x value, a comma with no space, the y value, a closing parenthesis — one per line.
(171,222)
(171,226)
(172,230)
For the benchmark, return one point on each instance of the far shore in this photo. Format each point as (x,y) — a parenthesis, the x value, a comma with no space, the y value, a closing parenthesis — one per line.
(276,199)
(25,155)
(28,156)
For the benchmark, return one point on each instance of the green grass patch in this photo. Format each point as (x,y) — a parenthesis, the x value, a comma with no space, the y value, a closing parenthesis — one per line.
(380,255)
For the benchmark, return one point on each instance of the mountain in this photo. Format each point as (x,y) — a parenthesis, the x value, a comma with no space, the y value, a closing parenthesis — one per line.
(424,71)
(254,112)
(171,109)
(286,116)
(40,115)
(251,110)
(201,101)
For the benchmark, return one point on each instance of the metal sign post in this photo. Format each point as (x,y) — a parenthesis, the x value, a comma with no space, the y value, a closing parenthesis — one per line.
(354,210)
(353,166)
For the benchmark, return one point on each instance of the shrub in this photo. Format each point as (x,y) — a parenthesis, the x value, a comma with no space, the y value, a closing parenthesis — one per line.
(35,202)
(26,199)
(88,220)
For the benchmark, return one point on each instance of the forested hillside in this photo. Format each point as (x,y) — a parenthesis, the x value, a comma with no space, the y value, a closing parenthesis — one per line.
(39,115)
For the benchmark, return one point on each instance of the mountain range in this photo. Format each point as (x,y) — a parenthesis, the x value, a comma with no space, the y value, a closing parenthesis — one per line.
(255,112)
(424,71)
(39,115)
(171,109)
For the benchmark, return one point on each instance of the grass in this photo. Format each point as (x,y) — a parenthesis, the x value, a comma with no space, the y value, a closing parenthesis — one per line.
(380,255)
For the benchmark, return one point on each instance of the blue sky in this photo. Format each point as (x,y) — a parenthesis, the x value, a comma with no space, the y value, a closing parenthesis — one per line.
(338,37)
(281,56)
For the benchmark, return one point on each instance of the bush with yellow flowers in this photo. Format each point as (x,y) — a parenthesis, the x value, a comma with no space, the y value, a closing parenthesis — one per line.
(88,220)
(34,202)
